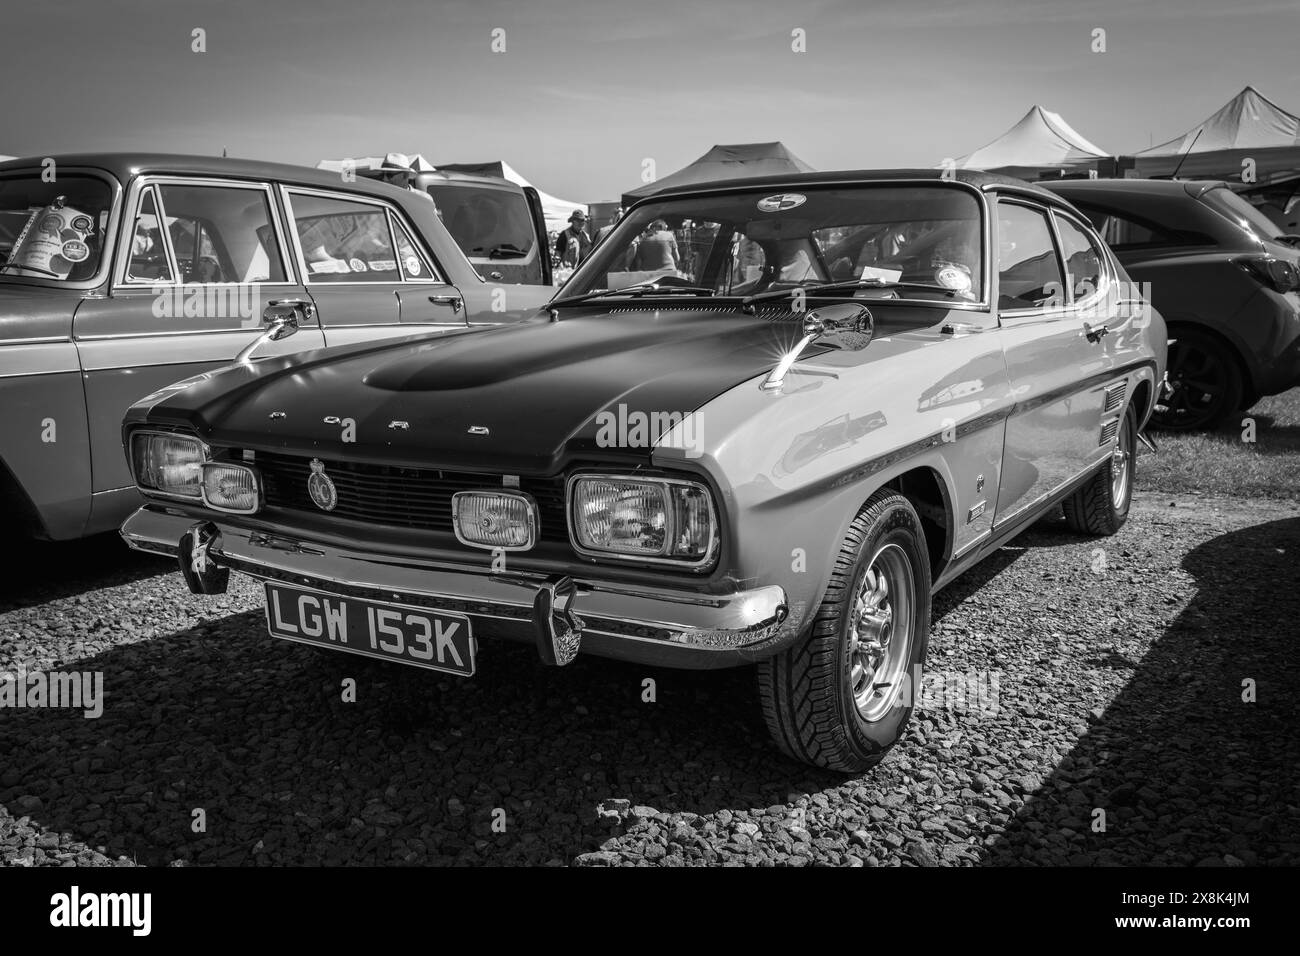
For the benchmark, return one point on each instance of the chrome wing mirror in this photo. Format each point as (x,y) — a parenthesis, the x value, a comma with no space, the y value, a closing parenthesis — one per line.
(282,318)
(846,326)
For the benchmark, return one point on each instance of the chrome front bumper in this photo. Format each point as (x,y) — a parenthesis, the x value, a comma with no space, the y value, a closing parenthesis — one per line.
(652,625)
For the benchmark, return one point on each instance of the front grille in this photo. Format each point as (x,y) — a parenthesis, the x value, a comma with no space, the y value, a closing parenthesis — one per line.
(415,498)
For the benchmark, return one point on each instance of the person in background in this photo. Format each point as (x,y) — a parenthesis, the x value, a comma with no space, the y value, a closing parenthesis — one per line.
(572,245)
(605,230)
(656,251)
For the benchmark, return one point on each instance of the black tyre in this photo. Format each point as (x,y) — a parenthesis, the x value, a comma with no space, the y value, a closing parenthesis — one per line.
(1101,506)
(840,697)
(1204,383)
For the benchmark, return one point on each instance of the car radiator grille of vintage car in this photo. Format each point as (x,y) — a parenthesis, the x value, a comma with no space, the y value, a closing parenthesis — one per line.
(401,497)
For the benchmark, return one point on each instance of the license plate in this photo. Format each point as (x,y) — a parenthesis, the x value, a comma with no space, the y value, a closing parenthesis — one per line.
(418,636)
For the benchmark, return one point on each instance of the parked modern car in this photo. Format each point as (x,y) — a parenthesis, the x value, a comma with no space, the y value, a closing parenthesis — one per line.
(101,304)
(498,224)
(771,452)
(1222,278)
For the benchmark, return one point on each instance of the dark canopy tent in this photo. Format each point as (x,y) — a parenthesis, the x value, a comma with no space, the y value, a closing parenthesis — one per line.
(1250,126)
(726,162)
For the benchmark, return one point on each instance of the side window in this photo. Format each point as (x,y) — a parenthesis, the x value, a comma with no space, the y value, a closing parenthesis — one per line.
(148,257)
(1083,260)
(343,240)
(1029,272)
(1121,232)
(221,233)
(413,264)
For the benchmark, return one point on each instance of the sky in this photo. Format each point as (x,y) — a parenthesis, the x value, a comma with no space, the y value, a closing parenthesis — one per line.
(586,91)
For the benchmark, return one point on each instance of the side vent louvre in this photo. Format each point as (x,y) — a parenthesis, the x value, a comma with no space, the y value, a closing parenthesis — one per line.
(1115,396)
(1108,431)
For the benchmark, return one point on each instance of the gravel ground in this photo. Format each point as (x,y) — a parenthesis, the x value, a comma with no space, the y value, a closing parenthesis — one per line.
(1113,668)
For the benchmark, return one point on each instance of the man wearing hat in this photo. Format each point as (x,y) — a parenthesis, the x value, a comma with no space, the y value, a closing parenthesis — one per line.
(573,244)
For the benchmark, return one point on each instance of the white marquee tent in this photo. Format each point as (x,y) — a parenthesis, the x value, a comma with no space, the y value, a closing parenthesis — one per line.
(1042,142)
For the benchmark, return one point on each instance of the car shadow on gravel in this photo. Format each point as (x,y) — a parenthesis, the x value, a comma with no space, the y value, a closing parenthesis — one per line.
(1184,769)
(51,570)
(255,733)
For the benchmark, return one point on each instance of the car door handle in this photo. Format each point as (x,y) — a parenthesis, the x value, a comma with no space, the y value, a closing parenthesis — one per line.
(454,301)
(1095,333)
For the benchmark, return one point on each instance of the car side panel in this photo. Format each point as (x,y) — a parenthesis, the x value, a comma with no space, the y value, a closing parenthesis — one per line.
(44,441)
(127,352)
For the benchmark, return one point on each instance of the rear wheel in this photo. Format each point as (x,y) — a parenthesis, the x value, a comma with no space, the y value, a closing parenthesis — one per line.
(1203,385)
(1101,506)
(841,696)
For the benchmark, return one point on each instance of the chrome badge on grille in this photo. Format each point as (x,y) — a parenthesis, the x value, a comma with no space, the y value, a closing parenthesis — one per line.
(321,487)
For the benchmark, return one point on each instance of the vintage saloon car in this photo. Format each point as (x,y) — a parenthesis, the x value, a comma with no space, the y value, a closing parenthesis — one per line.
(99,304)
(762,424)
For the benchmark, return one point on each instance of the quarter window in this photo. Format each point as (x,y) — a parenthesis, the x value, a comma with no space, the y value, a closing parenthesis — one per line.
(1029,275)
(149,261)
(1083,269)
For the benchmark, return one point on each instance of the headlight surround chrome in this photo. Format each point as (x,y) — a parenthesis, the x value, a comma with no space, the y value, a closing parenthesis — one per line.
(231,487)
(671,521)
(168,463)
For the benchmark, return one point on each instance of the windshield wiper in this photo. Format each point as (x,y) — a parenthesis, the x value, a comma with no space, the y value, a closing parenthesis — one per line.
(635,291)
(817,288)
(507,250)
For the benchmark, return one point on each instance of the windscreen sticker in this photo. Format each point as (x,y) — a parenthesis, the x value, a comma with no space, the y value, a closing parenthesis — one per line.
(356,265)
(413,265)
(50,232)
(953,277)
(383,265)
(885,275)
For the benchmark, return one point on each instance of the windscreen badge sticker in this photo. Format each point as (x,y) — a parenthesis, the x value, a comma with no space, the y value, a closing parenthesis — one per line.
(781,202)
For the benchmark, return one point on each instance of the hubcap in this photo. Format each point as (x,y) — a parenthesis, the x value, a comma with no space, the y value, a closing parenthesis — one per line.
(880,632)
(1121,464)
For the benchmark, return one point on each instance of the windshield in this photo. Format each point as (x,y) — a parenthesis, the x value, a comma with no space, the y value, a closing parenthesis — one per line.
(1227,203)
(52,230)
(926,237)
(486,223)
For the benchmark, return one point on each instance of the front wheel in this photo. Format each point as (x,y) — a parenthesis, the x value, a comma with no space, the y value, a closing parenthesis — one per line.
(841,696)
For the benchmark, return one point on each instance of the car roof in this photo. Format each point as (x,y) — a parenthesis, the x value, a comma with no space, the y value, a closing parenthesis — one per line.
(1174,188)
(980,180)
(124,166)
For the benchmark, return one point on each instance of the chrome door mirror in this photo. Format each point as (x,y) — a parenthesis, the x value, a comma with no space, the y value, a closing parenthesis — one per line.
(845,325)
(842,326)
(282,318)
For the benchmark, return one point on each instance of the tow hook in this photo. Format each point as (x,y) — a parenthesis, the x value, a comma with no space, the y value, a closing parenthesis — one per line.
(559,629)
(201,572)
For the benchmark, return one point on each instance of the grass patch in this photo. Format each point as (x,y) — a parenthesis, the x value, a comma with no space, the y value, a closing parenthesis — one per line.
(1222,462)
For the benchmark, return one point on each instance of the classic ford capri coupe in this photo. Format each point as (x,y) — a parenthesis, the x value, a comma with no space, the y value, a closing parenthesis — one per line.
(761,425)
